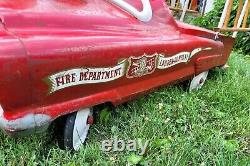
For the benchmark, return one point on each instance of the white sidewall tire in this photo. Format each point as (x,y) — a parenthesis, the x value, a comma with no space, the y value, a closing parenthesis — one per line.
(81,128)
(76,129)
(196,82)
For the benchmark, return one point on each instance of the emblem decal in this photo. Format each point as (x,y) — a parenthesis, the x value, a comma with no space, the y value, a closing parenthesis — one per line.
(183,57)
(140,66)
(132,67)
(82,76)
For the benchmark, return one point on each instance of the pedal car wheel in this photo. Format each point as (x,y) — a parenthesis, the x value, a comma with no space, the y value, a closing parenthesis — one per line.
(198,81)
(76,129)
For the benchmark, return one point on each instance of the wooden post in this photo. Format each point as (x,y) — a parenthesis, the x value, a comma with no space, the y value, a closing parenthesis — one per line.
(238,13)
(173,3)
(193,5)
(185,10)
(178,3)
(229,9)
(224,13)
(233,29)
(204,7)
(246,16)
(241,17)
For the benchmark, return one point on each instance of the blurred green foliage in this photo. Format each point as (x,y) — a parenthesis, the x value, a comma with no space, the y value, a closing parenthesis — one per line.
(211,20)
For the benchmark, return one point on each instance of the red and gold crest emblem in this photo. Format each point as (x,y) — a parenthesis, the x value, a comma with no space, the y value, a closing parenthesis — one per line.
(140,66)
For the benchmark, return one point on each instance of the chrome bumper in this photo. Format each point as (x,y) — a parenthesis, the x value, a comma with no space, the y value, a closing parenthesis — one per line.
(25,125)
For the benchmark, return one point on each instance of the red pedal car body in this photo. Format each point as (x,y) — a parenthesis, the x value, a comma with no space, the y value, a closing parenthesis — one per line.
(63,57)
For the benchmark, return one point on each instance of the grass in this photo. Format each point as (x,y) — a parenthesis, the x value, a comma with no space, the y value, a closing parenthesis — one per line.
(207,127)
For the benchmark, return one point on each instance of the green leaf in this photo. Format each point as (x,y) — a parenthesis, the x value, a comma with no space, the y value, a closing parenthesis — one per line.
(113,129)
(219,114)
(162,143)
(105,116)
(231,145)
(134,159)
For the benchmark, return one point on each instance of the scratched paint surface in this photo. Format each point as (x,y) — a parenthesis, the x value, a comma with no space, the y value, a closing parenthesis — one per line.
(41,38)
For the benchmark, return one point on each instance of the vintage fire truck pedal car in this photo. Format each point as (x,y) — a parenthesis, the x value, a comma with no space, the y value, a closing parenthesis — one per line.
(62,57)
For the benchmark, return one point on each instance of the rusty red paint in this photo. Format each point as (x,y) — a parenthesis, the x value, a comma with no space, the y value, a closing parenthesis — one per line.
(90,120)
(40,38)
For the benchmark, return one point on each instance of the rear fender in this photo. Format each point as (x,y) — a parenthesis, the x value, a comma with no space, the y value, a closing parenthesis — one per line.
(228,47)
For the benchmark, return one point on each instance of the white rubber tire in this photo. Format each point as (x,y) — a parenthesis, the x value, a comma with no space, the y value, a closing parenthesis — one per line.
(198,81)
(76,129)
